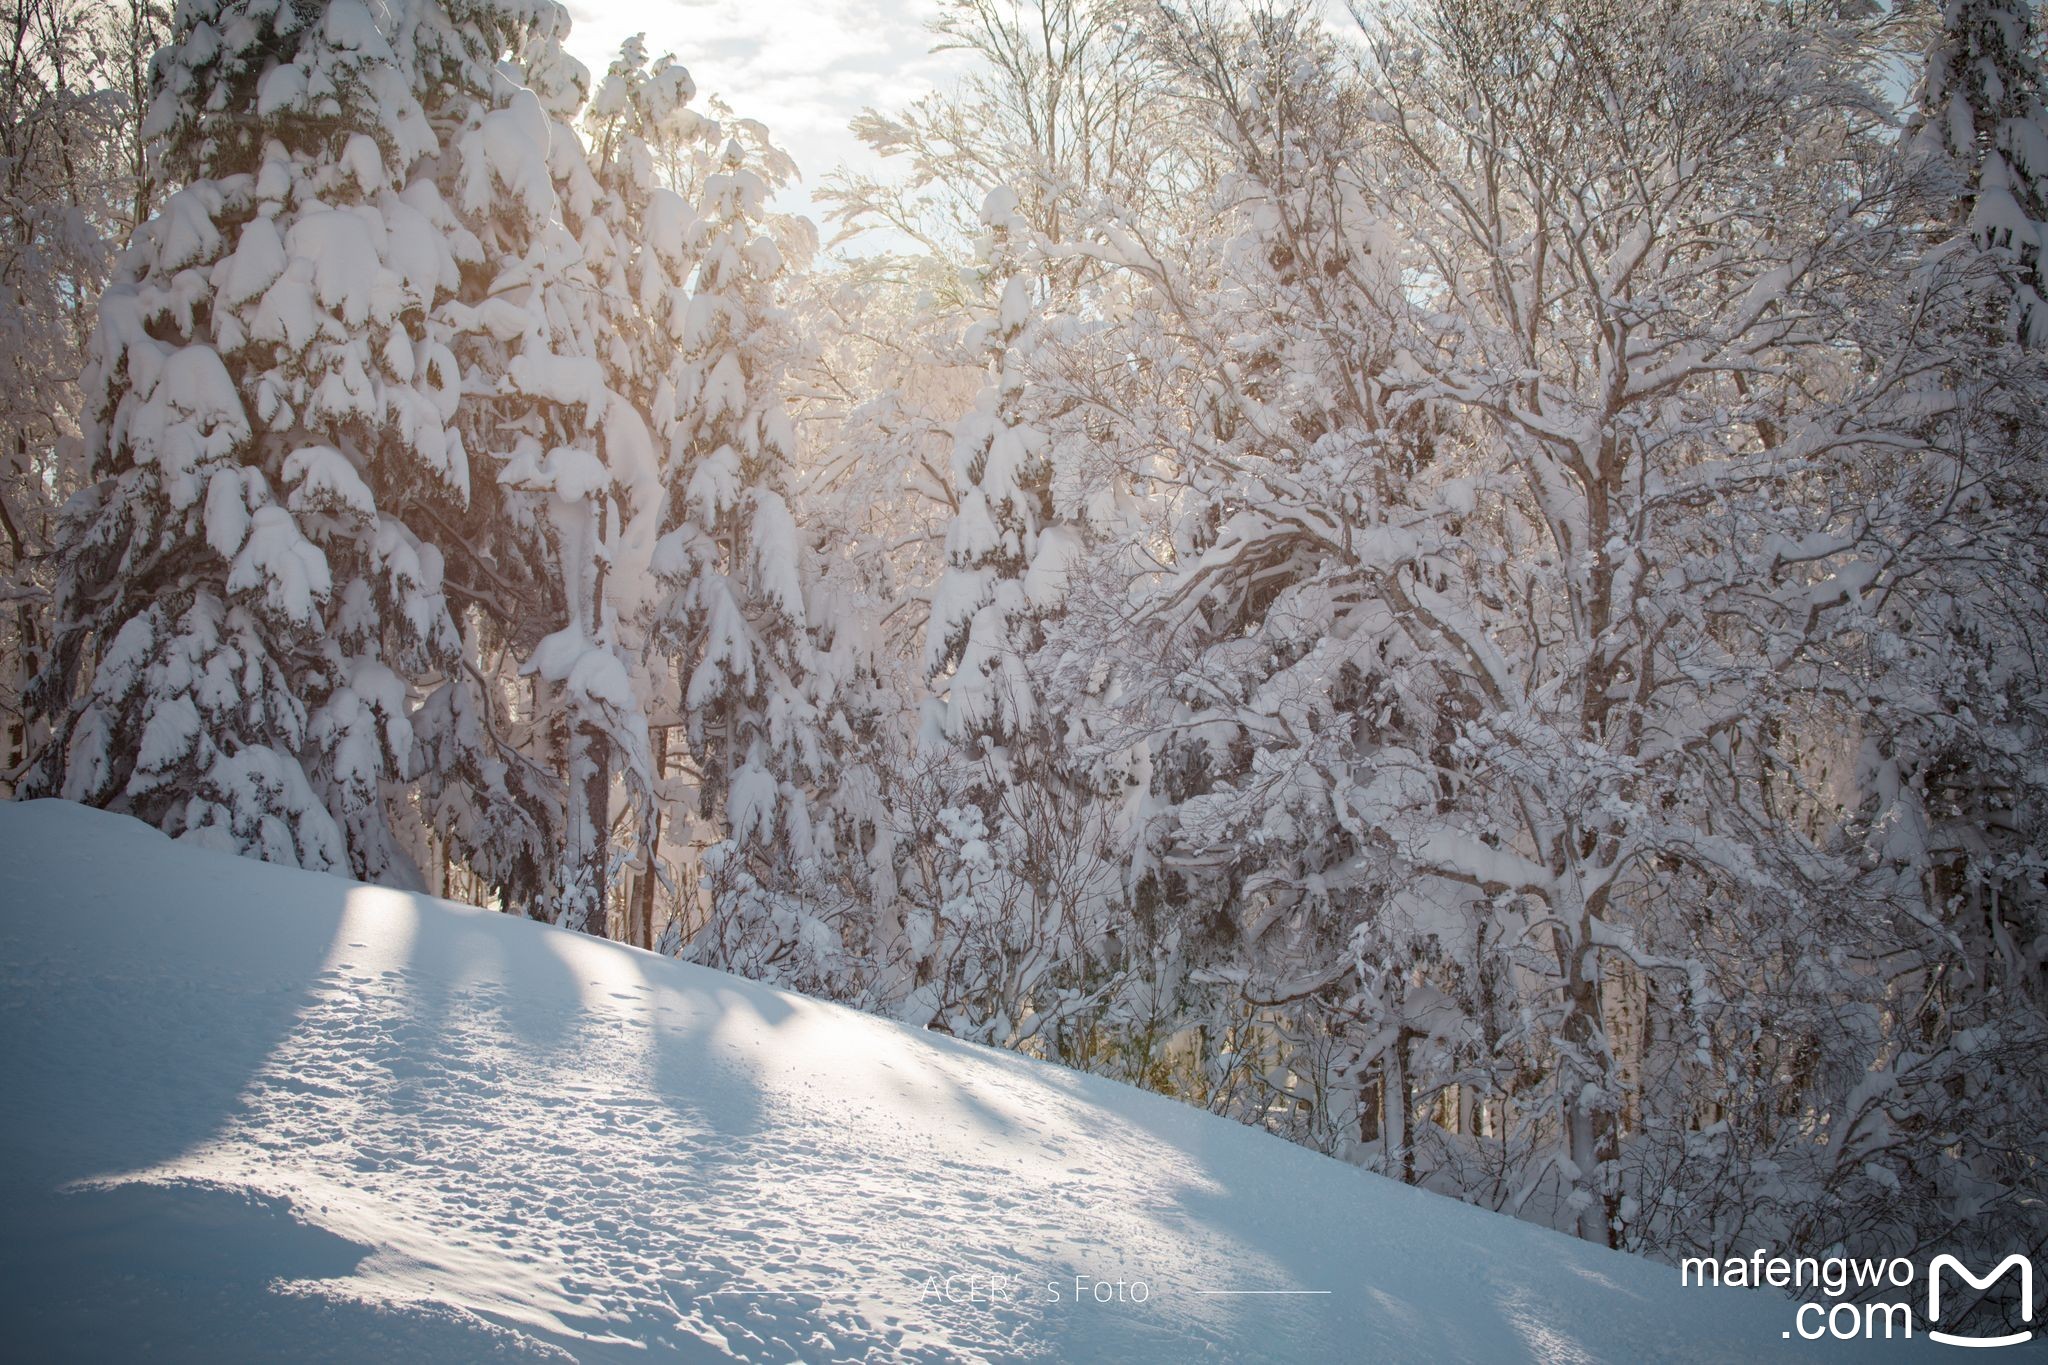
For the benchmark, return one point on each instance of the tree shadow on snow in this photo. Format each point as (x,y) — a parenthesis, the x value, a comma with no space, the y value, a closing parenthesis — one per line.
(188,1271)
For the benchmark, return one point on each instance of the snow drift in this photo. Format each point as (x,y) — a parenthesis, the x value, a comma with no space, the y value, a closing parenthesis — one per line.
(253,1112)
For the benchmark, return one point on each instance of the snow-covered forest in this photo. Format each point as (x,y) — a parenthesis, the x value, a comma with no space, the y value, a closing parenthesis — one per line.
(1463,581)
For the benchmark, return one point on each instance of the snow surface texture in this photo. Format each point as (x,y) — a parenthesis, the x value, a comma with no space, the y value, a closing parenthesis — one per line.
(259,1113)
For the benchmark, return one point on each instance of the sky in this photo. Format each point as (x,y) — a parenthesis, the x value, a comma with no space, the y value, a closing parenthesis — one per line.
(804,69)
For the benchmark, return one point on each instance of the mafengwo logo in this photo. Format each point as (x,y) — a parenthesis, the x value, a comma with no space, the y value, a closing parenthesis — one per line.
(1853,1282)
(2014,1261)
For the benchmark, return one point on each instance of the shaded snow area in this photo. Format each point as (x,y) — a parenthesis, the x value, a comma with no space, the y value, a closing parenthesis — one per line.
(254,1113)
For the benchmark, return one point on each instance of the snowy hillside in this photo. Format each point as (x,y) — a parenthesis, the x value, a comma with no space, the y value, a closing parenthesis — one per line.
(254,1112)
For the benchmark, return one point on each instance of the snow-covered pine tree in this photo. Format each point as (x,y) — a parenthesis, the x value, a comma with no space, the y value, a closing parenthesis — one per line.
(241,587)
(284,530)
(1020,884)
(522,793)
(1980,113)
(569,337)
(876,392)
(732,565)
(557,321)
(645,144)
(978,940)
(983,627)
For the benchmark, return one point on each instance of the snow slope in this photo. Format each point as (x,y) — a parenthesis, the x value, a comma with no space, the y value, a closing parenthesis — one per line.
(254,1113)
